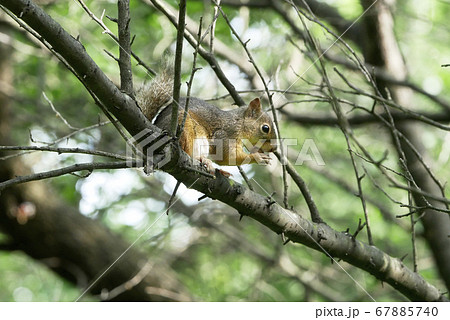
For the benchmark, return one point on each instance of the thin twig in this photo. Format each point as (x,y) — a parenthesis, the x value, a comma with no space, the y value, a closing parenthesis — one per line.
(345,185)
(71,69)
(210,58)
(342,121)
(386,102)
(177,68)
(413,234)
(381,74)
(172,197)
(269,96)
(123,23)
(213,26)
(190,82)
(301,184)
(65,150)
(106,295)
(358,229)
(394,131)
(420,192)
(59,115)
(62,171)
(100,22)
(246,179)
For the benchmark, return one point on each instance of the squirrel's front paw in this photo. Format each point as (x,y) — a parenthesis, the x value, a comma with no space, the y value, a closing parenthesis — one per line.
(207,163)
(261,158)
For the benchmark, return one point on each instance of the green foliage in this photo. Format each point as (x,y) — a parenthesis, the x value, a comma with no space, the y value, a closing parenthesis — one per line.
(25,280)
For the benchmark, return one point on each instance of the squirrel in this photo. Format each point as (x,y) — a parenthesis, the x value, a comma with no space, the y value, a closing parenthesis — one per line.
(211,134)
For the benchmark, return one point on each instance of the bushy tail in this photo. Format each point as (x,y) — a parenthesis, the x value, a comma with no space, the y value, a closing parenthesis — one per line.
(157,94)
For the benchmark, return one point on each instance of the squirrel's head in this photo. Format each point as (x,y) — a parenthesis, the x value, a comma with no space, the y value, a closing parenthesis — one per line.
(259,128)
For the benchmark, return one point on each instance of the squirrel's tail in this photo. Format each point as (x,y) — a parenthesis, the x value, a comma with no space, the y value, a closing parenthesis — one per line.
(157,94)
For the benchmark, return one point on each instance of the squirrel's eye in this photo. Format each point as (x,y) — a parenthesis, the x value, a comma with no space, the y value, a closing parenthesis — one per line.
(265,128)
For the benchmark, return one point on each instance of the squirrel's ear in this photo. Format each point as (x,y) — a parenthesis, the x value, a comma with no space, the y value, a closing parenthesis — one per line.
(254,108)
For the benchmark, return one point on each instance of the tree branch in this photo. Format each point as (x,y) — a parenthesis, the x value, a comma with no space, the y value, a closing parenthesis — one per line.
(100,22)
(62,150)
(177,67)
(70,169)
(301,184)
(126,75)
(385,52)
(358,120)
(210,58)
(320,9)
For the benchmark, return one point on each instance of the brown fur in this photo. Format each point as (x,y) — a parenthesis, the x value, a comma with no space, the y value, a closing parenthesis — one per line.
(227,131)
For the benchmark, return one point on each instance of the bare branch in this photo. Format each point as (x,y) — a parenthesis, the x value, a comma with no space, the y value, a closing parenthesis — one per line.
(269,96)
(342,122)
(177,68)
(100,22)
(57,113)
(106,295)
(70,169)
(191,81)
(210,58)
(126,75)
(64,150)
(381,74)
(301,184)
(390,103)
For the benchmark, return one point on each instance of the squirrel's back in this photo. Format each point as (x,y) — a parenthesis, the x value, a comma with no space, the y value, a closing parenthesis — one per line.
(157,94)
(209,116)
(155,99)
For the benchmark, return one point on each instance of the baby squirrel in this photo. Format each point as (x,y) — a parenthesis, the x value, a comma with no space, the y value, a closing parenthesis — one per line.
(211,134)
